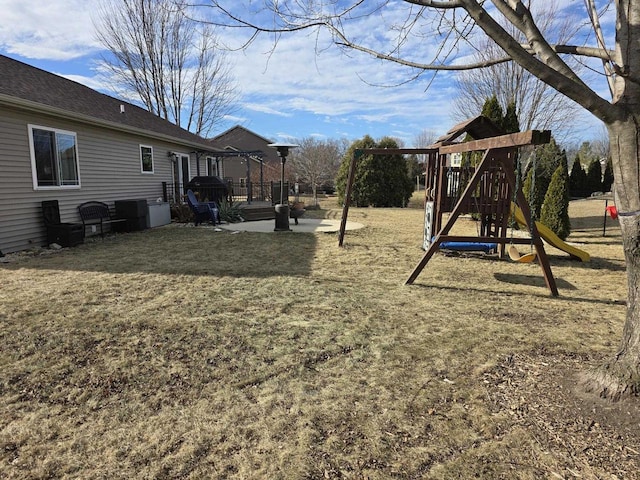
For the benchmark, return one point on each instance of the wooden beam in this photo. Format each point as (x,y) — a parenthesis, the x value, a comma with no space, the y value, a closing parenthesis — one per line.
(536,240)
(397,151)
(457,210)
(347,195)
(512,140)
(496,240)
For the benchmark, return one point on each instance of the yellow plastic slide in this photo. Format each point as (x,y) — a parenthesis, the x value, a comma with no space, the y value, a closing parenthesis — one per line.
(551,238)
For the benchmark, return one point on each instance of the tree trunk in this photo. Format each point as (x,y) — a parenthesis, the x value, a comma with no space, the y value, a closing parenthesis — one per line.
(621,375)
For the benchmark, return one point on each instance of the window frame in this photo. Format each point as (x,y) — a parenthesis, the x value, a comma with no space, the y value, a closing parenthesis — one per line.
(34,167)
(211,165)
(142,170)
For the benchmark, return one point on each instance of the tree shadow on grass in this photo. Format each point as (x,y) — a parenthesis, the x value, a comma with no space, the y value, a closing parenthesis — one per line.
(533,280)
(186,251)
(536,294)
(595,263)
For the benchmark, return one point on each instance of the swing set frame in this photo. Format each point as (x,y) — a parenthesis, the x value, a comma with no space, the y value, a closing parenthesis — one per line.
(489,192)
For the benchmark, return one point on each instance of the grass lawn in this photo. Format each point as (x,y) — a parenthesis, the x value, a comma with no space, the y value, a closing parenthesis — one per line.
(184,352)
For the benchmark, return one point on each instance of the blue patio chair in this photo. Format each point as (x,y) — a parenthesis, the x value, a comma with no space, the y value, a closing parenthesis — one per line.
(203,211)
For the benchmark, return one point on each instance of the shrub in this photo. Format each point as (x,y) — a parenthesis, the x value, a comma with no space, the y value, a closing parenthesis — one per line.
(380,180)
(534,191)
(181,213)
(230,212)
(555,209)
(607,178)
(594,176)
(578,180)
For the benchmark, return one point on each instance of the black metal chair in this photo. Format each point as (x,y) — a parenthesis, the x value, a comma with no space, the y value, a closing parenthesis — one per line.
(64,234)
(203,211)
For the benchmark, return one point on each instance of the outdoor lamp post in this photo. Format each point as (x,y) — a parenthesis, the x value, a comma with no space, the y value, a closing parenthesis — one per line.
(282,209)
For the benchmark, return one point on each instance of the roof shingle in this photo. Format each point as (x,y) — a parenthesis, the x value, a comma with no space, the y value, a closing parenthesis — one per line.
(29,83)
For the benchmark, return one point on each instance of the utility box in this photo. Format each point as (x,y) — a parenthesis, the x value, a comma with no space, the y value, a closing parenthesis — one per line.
(159,214)
(135,212)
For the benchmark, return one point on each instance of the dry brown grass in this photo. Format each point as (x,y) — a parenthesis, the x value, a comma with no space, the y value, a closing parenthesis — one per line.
(189,353)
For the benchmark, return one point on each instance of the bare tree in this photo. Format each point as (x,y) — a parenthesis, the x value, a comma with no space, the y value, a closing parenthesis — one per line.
(424,138)
(170,63)
(453,24)
(538,105)
(317,161)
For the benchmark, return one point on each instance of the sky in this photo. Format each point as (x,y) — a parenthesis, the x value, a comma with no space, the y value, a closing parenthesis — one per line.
(302,88)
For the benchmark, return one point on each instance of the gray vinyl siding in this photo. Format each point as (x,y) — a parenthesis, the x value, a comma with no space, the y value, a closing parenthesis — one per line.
(109,166)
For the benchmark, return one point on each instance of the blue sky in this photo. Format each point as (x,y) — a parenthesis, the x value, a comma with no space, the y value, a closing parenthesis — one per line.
(294,92)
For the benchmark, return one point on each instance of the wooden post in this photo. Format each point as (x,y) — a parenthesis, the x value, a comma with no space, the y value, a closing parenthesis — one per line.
(524,206)
(457,210)
(347,195)
(543,260)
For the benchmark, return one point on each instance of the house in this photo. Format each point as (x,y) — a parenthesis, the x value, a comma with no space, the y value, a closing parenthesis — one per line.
(64,141)
(255,161)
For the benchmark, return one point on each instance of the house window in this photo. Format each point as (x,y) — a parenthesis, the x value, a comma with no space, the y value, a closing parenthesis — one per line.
(146,159)
(54,158)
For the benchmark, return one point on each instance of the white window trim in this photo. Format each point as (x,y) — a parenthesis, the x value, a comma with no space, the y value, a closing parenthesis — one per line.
(179,157)
(32,153)
(142,170)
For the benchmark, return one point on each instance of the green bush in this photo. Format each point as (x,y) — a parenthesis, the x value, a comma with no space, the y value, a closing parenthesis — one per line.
(230,212)
(578,180)
(555,209)
(534,191)
(594,176)
(607,178)
(380,180)
(548,158)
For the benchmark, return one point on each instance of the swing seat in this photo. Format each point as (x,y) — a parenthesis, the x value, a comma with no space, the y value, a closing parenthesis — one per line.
(469,246)
(514,255)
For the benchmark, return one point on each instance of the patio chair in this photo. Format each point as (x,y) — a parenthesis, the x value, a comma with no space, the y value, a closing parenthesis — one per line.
(64,234)
(203,211)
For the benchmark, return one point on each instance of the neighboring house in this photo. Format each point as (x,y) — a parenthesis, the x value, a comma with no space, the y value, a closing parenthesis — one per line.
(239,168)
(62,140)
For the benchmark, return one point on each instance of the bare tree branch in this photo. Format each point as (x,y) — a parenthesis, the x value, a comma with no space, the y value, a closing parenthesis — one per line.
(168,62)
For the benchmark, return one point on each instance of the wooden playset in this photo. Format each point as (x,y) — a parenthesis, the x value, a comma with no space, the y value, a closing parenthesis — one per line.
(489,190)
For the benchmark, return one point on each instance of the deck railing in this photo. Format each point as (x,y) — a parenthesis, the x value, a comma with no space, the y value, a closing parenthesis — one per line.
(239,192)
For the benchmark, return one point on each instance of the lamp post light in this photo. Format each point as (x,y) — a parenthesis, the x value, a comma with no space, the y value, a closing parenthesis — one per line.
(282,209)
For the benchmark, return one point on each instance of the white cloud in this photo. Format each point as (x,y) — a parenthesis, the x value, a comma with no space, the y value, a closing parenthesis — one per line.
(305,83)
(54,30)
(265,108)
(305,75)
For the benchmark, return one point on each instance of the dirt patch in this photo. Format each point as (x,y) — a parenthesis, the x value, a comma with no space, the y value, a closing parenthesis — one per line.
(582,432)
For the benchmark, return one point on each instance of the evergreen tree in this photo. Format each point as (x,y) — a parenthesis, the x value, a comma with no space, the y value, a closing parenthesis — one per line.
(607,178)
(414,167)
(555,209)
(359,194)
(548,158)
(577,179)
(380,180)
(510,123)
(396,186)
(493,111)
(533,192)
(594,176)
